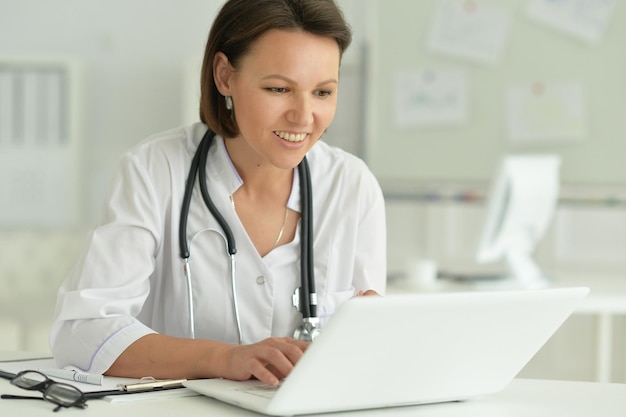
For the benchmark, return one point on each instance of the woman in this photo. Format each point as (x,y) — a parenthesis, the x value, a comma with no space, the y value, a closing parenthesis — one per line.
(270,80)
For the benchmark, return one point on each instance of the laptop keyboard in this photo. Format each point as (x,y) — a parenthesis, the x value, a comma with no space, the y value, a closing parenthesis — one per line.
(265,391)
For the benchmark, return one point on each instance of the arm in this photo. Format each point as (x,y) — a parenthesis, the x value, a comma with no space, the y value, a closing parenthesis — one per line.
(163,356)
(370,264)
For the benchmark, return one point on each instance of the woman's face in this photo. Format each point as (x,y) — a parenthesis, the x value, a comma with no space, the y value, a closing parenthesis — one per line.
(284,95)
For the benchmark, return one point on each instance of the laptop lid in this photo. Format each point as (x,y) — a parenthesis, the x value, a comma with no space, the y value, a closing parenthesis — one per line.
(412,349)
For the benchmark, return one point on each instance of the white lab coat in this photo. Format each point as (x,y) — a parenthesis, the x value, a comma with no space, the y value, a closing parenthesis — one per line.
(129,282)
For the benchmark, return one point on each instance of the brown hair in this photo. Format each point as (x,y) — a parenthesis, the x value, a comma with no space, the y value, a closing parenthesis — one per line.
(241,22)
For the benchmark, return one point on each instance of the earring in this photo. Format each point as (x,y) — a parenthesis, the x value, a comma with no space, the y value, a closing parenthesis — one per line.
(229,102)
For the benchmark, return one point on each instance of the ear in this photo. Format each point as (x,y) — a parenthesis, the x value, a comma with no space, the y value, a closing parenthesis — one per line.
(222,73)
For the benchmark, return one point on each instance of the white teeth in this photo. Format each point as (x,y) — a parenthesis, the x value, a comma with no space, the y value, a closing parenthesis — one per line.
(291,137)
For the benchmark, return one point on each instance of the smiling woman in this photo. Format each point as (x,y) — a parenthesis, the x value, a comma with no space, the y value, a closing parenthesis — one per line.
(291,96)
(270,82)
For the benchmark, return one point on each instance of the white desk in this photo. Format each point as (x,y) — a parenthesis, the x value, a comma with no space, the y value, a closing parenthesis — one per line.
(523,398)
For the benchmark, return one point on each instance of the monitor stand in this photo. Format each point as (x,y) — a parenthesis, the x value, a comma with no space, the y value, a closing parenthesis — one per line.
(521,273)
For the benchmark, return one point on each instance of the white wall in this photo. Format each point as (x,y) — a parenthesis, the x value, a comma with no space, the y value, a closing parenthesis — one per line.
(533,52)
(131,55)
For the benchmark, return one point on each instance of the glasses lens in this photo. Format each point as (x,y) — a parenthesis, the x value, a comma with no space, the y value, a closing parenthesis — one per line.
(64,394)
(29,380)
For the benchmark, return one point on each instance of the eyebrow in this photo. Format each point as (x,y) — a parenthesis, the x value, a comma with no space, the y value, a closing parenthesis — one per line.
(289,80)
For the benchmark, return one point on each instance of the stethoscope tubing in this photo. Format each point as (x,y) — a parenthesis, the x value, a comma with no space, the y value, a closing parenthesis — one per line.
(204,152)
(230,239)
(308,299)
(233,283)
(307,306)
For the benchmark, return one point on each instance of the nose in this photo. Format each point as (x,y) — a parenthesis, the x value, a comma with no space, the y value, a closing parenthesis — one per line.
(301,110)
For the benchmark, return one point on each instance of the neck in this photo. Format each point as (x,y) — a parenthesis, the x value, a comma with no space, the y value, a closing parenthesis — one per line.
(259,176)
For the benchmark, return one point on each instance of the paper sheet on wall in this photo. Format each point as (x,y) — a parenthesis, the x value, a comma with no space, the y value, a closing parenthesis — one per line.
(470,29)
(543,112)
(430,97)
(584,19)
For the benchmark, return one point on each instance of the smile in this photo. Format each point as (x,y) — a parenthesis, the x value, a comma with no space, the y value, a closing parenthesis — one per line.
(290,137)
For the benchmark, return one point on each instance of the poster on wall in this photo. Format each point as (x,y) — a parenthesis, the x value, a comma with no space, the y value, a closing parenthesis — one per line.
(542,112)
(470,29)
(39,180)
(583,19)
(430,97)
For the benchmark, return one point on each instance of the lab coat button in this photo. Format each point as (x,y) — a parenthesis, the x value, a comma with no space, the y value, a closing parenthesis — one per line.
(260,280)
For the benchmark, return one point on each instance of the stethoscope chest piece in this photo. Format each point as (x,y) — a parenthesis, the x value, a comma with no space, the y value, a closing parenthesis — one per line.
(308,330)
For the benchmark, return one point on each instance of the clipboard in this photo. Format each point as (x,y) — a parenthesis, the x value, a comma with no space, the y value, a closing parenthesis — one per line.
(113,389)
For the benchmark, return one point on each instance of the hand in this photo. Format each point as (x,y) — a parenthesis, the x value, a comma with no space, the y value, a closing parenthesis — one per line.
(269,360)
(367,293)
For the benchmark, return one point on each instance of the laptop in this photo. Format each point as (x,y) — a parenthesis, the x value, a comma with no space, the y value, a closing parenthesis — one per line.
(409,349)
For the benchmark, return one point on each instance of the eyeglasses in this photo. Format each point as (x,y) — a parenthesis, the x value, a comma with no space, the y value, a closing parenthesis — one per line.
(63,395)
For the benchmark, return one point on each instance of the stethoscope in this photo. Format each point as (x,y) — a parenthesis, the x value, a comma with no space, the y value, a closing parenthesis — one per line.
(304,298)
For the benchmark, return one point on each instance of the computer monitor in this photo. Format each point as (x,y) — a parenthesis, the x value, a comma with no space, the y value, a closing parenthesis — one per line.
(520,207)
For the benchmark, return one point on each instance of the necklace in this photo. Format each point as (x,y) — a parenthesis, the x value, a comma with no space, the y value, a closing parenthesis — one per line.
(282,226)
(282,229)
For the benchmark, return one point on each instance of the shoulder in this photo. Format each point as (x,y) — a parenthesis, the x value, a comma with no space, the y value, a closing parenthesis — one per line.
(334,168)
(161,161)
(165,153)
(172,143)
(331,159)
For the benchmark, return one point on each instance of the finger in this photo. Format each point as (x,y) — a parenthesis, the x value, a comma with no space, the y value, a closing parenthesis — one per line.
(294,349)
(275,371)
(300,344)
(281,356)
(265,374)
(270,367)
(269,360)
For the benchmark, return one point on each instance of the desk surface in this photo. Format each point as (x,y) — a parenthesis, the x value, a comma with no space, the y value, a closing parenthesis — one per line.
(529,398)
(607,295)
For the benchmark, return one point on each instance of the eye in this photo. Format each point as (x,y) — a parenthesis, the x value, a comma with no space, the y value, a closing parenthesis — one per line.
(277,90)
(323,93)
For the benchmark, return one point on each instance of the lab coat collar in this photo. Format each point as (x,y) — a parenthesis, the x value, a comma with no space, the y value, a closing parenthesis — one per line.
(223,169)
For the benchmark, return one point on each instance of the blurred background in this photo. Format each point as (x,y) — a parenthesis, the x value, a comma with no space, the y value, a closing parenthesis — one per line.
(433,94)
